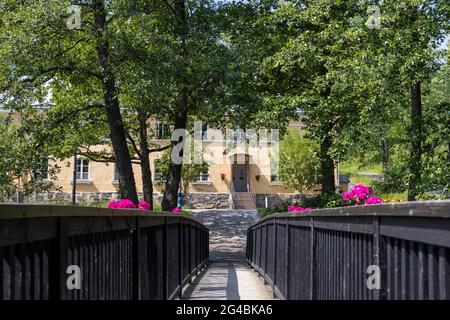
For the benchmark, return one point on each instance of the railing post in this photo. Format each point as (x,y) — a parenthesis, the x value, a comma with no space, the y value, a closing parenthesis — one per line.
(165,262)
(288,261)
(190,251)
(180,257)
(136,260)
(274,255)
(379,259)
(260,250)
(58,262)
(312,266)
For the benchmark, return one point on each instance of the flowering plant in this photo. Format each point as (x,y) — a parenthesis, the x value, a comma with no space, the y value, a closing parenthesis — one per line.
(297,209)
(122,204)
(360,194)
(373,200)
(144,206)
(176,210)
(113,204)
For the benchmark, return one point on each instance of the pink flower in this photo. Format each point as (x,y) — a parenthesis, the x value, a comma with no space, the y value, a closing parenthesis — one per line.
(126,204)
(176,210)
(113,204)
(144,206)
(358,193)
(348,196)
(374,200)
(297,209)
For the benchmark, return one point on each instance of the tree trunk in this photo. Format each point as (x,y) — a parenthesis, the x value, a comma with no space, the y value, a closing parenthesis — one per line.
(174,175)
(147,184)
(384,153)
(328,179)
(117,134)
(415,164)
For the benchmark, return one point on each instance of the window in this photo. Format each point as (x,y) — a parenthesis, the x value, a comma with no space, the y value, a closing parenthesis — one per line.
(274,174)
(204,131)
(116,173)
(203,177)
(162,131)
(274,178)
(158,172)
(41,170)
(82,169)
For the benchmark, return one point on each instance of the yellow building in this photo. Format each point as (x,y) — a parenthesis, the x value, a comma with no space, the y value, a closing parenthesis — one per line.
(240,175)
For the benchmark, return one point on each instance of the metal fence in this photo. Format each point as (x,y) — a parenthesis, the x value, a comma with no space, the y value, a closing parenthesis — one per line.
(326,253)
(122,254)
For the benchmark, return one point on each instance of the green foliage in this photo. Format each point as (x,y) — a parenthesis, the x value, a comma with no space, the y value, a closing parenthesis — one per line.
(299,163)
(262,212)
(189,172)
(20,157)
(331,200)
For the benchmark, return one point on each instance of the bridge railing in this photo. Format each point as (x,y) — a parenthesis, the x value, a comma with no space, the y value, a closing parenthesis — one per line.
(121,254)
(342,253)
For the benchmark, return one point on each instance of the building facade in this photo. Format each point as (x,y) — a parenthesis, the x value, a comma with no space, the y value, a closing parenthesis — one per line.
(241,172)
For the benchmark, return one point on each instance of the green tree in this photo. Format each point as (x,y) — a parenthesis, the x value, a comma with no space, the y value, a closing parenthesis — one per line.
(299,164)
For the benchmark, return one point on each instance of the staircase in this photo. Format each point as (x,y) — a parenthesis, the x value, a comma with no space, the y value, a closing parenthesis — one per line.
(243,200)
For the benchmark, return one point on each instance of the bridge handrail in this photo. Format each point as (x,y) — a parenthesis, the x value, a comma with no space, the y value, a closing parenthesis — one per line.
(15,211)
(121,253)
(325,253)
(436,208)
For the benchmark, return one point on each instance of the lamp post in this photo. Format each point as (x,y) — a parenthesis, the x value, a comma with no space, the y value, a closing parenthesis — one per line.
(18,190)
(74,177)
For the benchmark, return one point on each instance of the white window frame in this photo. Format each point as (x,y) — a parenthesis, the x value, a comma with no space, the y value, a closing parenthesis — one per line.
(46,178)
(80,176)
(199,181)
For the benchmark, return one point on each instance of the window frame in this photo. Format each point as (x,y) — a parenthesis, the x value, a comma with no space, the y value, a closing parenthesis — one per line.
(201,175)
(79,175)
(40,173)
(165,130)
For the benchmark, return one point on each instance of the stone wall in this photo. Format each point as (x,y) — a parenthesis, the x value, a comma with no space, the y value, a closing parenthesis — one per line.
(208,200)
(194,200)
(274,200)
(199,200)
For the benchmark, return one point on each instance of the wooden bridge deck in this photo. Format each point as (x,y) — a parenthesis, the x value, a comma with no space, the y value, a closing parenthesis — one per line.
(228,277)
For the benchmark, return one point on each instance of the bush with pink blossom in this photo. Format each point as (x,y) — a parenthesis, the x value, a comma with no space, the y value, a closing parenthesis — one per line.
(176,210)
(297,209)
(122,204)
(113,204)
(144,206)
(373,200)
(359,195)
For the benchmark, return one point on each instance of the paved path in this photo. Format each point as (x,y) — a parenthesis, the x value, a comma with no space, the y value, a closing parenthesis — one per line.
(228,277)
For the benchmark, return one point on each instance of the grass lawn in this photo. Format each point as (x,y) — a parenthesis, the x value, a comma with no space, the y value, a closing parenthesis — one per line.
(355,171)
(349,167)
(394,197)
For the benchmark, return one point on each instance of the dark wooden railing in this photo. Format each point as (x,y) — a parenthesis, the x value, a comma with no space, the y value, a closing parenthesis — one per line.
(122,254)
(325,254)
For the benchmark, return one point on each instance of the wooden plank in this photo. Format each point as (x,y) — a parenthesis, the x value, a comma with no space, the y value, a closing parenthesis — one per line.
(424,230)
